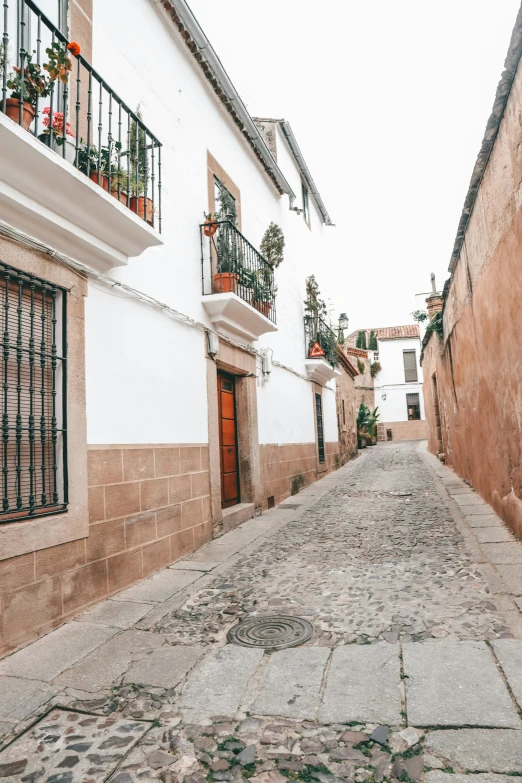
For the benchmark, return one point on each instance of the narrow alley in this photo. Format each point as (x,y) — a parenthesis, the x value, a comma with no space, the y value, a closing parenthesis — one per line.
(412,669)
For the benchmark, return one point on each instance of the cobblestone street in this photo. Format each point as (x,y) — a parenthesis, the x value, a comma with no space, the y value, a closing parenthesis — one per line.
(412,586)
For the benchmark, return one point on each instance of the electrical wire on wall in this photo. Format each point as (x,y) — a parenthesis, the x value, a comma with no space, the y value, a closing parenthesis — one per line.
(20,238)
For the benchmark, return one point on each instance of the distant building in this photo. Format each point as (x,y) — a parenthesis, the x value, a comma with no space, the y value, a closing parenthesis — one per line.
(396,377)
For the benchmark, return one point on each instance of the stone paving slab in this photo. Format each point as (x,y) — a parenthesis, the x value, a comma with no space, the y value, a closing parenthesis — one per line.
(116,614)
(483,520)
(69,747)
(509,654)
(292,683)
(512,577)
(218,682)
(52,654)
(493,535)
(159,587)
(480,750)
(15,692)
(503,553)
(456,684)
(192,565)
(478,510)
(443,777)
(363,684)
(165,667)
(106,664)
(470,499)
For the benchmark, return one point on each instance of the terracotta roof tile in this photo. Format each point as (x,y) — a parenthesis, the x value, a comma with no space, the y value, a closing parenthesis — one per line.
(390,332)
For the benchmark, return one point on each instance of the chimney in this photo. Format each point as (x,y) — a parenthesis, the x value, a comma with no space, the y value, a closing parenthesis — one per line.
(434,300)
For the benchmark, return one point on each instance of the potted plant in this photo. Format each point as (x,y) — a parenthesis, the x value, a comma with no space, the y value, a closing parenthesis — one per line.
(211,224)
(98,165)
(264,290)
(26,87)
(227,276)
(59,65)
(139,165)
(54,136)
(120,181)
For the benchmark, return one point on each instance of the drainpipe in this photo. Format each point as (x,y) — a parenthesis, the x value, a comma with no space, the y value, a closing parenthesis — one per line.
(204,46)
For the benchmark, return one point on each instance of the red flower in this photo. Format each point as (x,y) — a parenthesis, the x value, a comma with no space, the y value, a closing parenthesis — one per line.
(74,48)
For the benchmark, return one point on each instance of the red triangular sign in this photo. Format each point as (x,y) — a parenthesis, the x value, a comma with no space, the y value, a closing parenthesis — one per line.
(316,350)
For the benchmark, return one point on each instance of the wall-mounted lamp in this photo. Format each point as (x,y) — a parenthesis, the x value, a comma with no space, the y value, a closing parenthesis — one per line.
(343,325)
(383,396)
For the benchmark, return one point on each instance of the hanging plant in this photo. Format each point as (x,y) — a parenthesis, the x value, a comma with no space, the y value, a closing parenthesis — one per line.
(360,366)
(375,367)
(273,244)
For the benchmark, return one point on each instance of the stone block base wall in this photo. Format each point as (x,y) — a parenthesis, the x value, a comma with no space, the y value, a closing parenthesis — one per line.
(148,506)
(402,430)
(288,468)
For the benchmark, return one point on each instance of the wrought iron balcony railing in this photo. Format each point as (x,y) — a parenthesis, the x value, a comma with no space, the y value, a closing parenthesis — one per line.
(55,94)
(320,340)
(230,264)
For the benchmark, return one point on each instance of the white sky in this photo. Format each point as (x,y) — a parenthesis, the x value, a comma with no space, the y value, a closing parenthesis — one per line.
(389,102)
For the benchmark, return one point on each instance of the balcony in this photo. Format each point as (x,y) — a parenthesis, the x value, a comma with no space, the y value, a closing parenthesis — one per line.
(321,350)
(238,283)
(80,170)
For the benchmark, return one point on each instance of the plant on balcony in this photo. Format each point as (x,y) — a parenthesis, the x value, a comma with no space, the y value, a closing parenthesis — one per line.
(211,225)
(54,136)
(59,65)
(264,290)
(273,245)
(230,260)
(139,166)
(27,86)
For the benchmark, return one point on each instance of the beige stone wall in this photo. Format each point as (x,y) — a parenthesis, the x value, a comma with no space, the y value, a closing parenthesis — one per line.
(347,425)
(402,430)
(478,367)
(148,506)
(288,468)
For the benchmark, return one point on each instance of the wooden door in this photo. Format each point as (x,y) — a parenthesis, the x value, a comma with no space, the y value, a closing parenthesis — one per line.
(228,440)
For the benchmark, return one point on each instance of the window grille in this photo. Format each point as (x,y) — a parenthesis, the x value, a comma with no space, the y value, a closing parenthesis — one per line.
(34,458)
(413,405)
(410,366)
(320,434)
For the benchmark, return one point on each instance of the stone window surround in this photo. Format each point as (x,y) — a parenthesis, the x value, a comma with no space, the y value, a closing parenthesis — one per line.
(30,535)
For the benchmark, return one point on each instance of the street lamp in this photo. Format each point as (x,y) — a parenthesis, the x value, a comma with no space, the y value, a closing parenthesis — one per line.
(343,324)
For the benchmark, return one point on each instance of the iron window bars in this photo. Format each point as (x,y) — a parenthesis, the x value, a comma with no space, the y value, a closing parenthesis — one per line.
(34,420)
(85,121)
(320,432)
(235,266)
(317,331)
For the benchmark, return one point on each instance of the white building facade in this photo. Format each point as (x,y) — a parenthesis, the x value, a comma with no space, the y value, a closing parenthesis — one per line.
(397,380)
(178,394)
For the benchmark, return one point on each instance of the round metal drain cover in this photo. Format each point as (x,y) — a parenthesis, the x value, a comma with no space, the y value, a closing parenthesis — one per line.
(271,633)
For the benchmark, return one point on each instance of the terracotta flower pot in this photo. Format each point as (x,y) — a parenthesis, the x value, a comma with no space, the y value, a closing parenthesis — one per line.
(264,308)
(122,197)
(225,282)
(104,181)
(137,205)
(210,228)
(12,110)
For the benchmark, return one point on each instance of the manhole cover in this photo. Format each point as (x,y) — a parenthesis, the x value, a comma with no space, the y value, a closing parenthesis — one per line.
(271,633)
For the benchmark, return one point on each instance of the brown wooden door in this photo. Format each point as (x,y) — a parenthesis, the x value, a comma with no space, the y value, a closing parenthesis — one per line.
(228,440)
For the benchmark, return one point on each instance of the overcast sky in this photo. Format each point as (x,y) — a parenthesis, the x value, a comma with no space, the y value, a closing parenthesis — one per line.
(388,102)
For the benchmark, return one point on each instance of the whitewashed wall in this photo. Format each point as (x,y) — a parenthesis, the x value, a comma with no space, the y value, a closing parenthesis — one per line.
(149,362)
(390,380)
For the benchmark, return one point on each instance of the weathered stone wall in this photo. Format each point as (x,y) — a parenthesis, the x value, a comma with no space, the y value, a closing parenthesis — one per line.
(478,367)
(288,468)
(347,409)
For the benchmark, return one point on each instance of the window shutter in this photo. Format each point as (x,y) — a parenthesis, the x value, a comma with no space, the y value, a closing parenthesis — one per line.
(412,399)
(410,366)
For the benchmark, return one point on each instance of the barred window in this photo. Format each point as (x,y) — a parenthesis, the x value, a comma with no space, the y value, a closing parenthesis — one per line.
(410,366)
(320,433)
(33,375)
(413,405)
